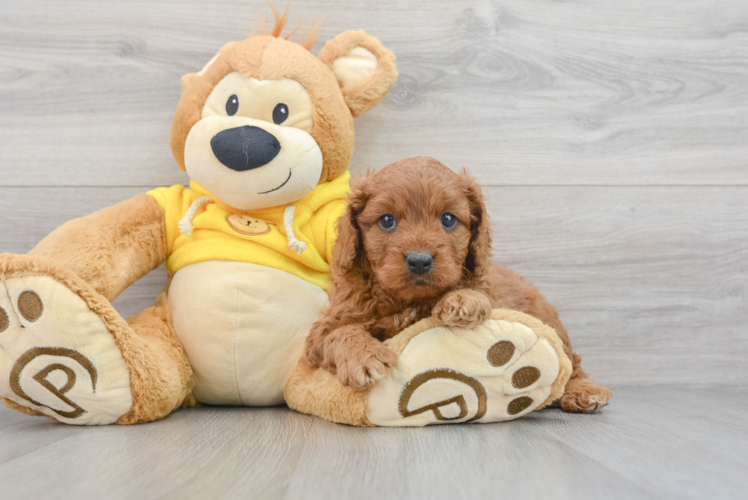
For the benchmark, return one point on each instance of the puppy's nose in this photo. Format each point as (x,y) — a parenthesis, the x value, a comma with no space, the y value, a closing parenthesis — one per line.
(419,262)
(245,148)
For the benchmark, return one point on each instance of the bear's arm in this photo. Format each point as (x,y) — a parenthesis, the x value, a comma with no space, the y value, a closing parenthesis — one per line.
(112,248)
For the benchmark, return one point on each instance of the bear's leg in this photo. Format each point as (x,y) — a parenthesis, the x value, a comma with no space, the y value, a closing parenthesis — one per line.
(581,394)
(66,353)
(509,290)
(500,370)
(159,394)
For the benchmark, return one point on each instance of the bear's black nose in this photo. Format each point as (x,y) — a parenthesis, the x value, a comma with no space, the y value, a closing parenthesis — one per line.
(245,148)
(419,262)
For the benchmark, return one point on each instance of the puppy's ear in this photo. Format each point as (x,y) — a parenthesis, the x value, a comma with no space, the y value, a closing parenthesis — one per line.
(364,68)
(478,260)
(348,252)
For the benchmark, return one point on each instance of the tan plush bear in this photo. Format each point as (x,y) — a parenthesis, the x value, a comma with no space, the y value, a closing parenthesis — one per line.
(265,133)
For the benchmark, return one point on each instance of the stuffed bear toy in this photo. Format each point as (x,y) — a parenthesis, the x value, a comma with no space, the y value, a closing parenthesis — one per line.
(265,133)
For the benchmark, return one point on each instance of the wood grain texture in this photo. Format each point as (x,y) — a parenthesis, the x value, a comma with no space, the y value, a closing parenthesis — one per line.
(652,282)
(654,442)
(540,92)
(612,141)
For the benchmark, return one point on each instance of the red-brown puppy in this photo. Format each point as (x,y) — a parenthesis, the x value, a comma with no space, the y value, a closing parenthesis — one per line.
(416,242)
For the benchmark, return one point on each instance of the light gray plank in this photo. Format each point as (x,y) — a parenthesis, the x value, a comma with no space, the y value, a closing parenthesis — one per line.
(650,282)
(196,453)
(21,434)
(693,436)
(653,442)
(450,462)
(543,92)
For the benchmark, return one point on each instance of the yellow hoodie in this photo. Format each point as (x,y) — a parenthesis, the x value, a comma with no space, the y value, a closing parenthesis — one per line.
(297,238)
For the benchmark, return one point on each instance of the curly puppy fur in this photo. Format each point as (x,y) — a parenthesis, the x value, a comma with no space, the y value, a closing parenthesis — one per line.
(376,294)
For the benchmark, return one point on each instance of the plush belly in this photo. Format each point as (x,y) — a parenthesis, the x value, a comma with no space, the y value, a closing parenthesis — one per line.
(243,327)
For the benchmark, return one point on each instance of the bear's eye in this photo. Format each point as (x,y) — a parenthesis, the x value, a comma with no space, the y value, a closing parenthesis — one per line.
(449,221)
(280,113)
(232,105)
(387,222)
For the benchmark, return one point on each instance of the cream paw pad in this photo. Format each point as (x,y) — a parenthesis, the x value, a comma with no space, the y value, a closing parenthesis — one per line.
(57,357)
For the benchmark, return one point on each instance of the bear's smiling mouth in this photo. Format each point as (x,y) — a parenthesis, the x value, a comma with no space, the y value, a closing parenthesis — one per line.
(284,183)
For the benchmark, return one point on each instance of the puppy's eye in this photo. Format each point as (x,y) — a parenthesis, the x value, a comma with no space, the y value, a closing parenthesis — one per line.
(387,222)
(449,221)
(280,113)
(232,105)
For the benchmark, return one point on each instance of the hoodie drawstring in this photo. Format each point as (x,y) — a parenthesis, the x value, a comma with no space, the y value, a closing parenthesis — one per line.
(185,225)
(293,243)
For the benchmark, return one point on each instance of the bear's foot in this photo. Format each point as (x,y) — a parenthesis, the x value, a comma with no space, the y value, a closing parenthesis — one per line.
(57,356)
(500,370)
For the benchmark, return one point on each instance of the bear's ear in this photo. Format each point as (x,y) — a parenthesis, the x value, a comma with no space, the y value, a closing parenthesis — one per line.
(189,78)
(364,68)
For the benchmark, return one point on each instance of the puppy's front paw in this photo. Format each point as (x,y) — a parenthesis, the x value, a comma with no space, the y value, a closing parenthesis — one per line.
(366,366)
(468,308)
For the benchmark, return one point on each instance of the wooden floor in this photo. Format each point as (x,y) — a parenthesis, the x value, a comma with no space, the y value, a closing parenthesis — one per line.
(654,442)
(611,138)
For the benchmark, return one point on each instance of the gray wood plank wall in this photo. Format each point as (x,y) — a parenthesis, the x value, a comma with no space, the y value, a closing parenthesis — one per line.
(611,138)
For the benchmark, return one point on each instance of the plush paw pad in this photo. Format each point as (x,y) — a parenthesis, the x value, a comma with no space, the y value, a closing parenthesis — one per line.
(56,356)
(497,371)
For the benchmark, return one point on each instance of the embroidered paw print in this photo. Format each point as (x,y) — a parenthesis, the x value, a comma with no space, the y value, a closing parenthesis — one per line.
(499,355)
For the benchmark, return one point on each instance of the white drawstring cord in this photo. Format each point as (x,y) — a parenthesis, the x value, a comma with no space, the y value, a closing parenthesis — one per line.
(185,225)
(293,243)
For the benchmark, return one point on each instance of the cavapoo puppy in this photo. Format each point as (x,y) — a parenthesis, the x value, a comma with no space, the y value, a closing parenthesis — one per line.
(415,242)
